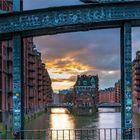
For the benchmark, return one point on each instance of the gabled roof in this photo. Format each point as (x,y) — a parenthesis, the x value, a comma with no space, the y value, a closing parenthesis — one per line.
(84,80)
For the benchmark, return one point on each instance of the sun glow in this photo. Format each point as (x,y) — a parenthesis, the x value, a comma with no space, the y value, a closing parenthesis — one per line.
(63,72)
(61,121)
(58,110)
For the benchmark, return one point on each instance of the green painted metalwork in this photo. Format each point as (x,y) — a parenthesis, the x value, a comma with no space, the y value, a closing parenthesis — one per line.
(18,94)
(126,79)
(76,18)
(16,83)
(70,18)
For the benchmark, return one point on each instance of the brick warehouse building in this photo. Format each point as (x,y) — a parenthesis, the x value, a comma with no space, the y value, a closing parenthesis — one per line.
(86,91)
(37,82)
(107,95)
(5,71)
(111,95)
(136,83)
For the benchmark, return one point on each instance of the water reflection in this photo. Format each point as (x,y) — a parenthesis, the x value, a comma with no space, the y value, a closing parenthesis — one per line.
(61,121)
(109,110)
(106,118)
(58,111)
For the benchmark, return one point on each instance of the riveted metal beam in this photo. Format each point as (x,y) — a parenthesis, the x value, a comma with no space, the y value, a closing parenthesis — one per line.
(69,18)
(126,81)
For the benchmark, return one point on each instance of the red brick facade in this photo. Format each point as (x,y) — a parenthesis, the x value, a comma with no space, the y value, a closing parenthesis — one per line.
(6,5)
(107,96)
(37,82)
(136,83)
(111,95)
(86,90)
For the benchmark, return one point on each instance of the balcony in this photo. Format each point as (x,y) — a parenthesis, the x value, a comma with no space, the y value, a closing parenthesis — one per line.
(31,95)
(138,78)
(9,59)
(31,60)
(137,84)
(137,72)
(9,47)
(40,84)
(31,85)
(44,93)
(10,91)
(39,77)
(9,71)
(137,68)
(31,76)
(137,89)
(39,74)
(39,89)
(39,97)
(30,53)
(31,70)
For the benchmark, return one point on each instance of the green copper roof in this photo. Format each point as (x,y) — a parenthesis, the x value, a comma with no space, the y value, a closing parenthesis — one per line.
(85,80)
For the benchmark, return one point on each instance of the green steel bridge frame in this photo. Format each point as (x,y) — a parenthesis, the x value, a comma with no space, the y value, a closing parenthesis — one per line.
(19,24)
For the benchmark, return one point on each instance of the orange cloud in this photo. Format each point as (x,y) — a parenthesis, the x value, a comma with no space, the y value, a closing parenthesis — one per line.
(65,67)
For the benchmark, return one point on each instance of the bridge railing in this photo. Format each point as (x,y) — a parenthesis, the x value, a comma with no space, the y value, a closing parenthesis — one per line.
(74,134)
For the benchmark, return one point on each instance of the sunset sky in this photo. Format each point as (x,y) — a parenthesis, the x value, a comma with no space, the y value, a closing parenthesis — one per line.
(93,52)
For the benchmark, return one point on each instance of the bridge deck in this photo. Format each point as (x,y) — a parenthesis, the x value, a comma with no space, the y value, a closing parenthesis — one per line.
(69,19)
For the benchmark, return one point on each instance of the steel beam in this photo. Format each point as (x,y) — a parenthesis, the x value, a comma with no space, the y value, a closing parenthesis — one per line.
(18,93)
(126,81)
(69,18)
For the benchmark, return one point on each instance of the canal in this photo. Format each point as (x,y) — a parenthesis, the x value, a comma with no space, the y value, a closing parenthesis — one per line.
(58,119)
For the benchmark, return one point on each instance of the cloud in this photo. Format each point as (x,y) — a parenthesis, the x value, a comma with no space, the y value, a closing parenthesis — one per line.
(84,47)
(91,52)
(135,41)
(70,79)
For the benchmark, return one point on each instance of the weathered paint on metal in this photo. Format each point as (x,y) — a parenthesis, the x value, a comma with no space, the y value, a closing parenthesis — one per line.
(70,18)
(16,83)
(126,80)
(76,18)
(18,98)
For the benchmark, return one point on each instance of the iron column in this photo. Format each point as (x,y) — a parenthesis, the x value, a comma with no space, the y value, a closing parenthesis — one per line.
(18,94)
(126,81)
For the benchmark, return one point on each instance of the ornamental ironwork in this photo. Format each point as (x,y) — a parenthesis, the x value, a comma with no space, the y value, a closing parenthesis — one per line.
(68,18)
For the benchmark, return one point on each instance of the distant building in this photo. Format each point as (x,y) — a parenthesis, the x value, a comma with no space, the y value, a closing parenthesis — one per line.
(111,95)
(65,94)
(118,92)
(66,91)
(107,95)
(86,90)
(37,82)
(55,98)
(136,83)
